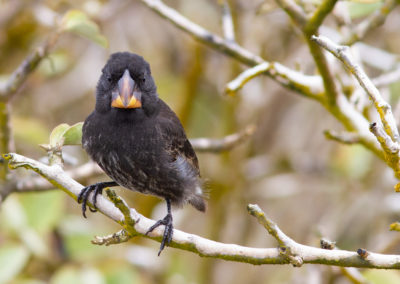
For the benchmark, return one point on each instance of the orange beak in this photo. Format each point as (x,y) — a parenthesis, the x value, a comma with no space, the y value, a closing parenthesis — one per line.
(127,96)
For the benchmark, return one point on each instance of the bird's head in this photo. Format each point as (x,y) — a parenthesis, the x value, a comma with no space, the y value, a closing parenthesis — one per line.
(126,83)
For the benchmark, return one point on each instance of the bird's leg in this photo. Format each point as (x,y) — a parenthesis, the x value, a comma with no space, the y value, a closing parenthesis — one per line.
(168,230)
(98,189)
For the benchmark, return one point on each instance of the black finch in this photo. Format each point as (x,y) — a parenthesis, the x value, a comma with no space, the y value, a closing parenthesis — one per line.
(138,140)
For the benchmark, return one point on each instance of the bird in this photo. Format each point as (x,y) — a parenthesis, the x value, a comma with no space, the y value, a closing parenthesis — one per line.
(139,142)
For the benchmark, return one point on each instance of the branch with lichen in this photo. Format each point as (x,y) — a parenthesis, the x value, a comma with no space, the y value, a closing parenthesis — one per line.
(388,136)
(135,224)
(322,88)
(352,273)
(226,46)
(343,53)
(314,84)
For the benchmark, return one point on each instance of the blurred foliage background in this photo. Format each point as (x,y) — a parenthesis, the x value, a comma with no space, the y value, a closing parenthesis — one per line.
(310,186)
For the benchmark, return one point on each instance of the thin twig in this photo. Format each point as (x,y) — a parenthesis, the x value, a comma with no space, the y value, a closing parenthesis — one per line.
(295,12)
(318,17)
(246,76)
(19,76)
(225,46)
(343,110)
(374,20)
(391,149)
(313,90)
(352,273)
(119,237)
(227,22)
(343,137)
(224,144)
(383,108)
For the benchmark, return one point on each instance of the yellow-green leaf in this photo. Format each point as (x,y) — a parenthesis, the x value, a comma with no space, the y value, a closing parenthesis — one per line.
(77,22)
(57,135)
(73,135)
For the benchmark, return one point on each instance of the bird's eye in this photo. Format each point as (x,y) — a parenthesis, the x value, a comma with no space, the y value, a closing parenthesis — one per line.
(109,78)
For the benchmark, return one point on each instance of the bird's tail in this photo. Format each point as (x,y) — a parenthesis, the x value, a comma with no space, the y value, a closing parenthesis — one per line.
(198,202)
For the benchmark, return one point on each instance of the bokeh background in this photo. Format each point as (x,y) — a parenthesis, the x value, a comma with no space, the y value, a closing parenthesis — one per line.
(310,186)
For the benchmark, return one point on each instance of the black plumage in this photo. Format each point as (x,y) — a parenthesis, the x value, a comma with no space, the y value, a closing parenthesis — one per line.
(138,140)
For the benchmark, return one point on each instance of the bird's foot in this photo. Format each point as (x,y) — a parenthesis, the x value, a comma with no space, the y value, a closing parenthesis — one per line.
(84,196)
(168,231)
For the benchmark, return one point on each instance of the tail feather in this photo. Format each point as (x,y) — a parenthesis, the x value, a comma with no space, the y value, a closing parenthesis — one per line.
(198,202)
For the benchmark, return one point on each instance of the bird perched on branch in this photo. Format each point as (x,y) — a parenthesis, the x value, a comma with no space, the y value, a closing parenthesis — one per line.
(138,140)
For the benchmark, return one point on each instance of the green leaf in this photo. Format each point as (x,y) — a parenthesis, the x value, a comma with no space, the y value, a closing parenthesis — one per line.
(73,135)
(65,134)
(13,259)
(57,135)
(77,22)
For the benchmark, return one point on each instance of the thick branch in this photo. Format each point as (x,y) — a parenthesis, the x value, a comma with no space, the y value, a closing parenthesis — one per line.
(209,248)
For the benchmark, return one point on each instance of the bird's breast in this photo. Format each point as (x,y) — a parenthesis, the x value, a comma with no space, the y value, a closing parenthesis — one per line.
(128,153)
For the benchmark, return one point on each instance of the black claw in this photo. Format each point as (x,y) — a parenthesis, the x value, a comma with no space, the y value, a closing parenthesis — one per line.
(168,230)
(85,192)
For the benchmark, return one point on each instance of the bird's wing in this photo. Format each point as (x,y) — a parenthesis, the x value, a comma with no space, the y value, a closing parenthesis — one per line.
(176,143)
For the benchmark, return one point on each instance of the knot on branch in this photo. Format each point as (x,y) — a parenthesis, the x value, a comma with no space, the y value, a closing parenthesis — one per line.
(116,238)
(128,222)
(327,244)
(287,253)
(362,253)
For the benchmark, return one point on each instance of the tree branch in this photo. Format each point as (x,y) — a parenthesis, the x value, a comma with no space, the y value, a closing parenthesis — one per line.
(227,22)
(343,137)
(289,252)
(19,76)
(294,11)
(319,16)
(227,47)
(223,144)
(383,108)
(374,20)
